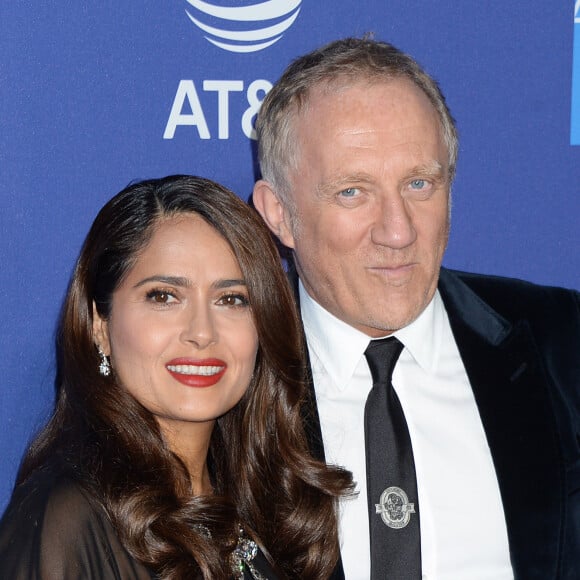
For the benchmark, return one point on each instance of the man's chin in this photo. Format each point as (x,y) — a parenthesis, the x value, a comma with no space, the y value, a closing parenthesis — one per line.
(390,320)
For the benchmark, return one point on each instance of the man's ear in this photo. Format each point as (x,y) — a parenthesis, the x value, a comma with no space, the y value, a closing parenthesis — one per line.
(273,212)
(101,332)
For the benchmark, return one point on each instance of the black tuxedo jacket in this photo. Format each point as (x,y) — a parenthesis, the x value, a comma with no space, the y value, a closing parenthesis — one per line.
(520,344)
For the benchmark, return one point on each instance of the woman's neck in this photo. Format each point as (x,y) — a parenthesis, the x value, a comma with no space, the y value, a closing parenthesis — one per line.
(190,442)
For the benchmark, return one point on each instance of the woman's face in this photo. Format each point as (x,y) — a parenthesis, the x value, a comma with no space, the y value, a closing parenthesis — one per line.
(180,334)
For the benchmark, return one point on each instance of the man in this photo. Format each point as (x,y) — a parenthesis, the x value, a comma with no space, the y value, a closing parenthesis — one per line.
(358,150)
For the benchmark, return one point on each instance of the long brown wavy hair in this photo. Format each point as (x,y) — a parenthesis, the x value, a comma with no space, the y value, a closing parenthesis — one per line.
(263,474)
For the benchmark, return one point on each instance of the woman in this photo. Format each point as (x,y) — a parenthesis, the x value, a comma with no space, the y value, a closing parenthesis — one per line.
(176,448)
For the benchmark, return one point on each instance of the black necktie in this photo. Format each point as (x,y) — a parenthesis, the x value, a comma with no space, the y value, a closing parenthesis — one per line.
(391,481)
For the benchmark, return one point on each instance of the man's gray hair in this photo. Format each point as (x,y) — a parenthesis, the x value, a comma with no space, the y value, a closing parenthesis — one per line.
(340,63)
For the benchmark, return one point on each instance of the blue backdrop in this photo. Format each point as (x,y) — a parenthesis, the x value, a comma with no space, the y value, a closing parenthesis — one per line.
(97,94)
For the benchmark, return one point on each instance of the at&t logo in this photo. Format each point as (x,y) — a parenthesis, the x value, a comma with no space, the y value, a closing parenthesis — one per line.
(188,111)
(253,26)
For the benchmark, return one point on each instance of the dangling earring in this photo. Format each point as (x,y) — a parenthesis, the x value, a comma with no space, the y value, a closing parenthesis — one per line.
(104,365)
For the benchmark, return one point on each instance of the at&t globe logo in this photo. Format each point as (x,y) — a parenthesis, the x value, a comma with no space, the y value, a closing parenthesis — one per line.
(247,26)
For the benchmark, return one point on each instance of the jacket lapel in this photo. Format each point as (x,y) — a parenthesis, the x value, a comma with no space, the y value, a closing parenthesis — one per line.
(310,415)
(510,390)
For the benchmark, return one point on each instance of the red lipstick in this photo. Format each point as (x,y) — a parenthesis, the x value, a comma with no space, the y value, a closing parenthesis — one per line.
(197,373)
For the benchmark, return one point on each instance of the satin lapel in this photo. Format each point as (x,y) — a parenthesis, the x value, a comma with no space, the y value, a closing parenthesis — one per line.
(310,416)
(515,408)
(310,410)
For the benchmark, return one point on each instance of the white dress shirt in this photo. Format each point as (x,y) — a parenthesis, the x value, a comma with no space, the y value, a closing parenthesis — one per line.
(463,530)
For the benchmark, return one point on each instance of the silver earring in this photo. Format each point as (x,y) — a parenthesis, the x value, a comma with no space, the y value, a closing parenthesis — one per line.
(104,365)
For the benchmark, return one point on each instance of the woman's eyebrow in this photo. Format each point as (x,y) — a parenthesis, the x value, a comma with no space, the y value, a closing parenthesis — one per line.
(228,283)
(180,281)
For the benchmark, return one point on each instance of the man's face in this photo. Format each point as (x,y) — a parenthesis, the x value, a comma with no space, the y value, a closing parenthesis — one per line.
(371,197)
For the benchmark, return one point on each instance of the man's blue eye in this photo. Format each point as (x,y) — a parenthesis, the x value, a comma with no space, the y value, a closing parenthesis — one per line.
(418,183)
(349,192)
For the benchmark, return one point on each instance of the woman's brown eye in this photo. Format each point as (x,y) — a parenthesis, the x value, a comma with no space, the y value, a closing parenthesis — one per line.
(159,297)
(234,300)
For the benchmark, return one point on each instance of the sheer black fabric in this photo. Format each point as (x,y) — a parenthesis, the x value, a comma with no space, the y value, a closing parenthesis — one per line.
(53,530)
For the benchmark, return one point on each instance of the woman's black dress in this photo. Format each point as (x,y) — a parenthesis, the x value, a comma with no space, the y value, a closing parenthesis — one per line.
(52,530)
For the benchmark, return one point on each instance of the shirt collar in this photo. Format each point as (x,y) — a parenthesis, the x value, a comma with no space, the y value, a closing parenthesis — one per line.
(423,337)
(339,347)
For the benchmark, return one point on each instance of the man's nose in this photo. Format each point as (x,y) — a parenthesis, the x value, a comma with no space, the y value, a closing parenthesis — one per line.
(394,225)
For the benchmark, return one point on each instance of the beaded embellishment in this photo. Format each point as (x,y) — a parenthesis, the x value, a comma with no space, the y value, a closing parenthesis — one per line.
(242,557)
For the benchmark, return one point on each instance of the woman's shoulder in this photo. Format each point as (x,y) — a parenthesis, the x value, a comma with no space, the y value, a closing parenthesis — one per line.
(54,528)
(49,488)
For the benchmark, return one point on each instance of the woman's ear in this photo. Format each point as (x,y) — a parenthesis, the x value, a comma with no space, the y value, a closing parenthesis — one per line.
(273,212)
(101,332)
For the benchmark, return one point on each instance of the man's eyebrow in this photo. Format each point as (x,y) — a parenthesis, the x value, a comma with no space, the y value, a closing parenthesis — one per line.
(341,181)
(179,281)
(430,169)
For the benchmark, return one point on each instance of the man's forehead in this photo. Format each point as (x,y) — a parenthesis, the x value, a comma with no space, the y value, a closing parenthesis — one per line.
(329,105)
(341,84)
